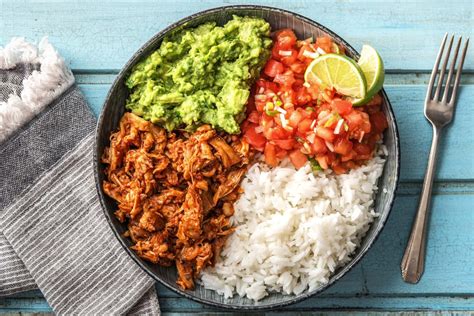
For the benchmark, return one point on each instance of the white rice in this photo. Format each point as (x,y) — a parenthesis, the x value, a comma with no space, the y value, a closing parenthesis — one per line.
(294,228)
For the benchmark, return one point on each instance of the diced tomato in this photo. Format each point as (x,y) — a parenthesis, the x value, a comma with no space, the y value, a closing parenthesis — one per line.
(266,121)
(302,96)
(260,106)
(288,96)
(358,121)
(298,159)
(286,144)
(306,107)
(325,133)
(254,117)
(331,157)
(375,101)
(281,153)
(278,132)
(286,38)
(319,146)
(350,164)
(374,104)
(379,122)
(301,53)
(298,83)
(349,156)
(255,139)
(313,91)
(273,68)
(342,146)
(298,68)
(270,155)
(325,43)
(372,139)
(338,169)
(365,126)
(245,126)
(267,85)
(276,52)
(289,60)
(323,161)
(330,93)
(285,79)
(363,157)
(305,125)
(362,149)
(341,106)
(295,118)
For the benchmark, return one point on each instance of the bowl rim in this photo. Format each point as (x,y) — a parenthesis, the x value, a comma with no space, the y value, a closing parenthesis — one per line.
(297,298)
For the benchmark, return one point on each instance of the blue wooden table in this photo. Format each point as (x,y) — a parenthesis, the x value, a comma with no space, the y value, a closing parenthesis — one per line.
(98,38)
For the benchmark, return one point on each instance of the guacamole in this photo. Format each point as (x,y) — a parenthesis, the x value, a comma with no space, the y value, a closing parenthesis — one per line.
(201,75)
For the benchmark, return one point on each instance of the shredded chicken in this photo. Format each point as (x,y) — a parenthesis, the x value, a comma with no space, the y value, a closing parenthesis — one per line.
(175,191)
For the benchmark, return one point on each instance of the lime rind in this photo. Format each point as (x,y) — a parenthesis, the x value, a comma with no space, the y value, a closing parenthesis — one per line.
(339,72)
(373,68)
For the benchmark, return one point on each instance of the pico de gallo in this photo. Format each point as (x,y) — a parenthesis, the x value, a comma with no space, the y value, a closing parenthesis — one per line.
(288,117)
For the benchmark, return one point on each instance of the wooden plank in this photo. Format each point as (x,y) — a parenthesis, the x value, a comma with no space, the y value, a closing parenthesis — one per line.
(103,35)
(363,304)
(364,312)
(349,303)
(415,131)
(299,313)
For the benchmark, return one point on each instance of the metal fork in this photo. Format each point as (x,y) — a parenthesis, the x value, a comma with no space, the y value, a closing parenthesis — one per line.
(439,112)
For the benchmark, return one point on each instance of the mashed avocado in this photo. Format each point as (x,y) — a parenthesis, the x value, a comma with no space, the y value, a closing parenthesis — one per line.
(201,75)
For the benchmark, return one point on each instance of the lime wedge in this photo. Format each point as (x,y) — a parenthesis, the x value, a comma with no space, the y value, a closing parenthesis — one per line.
(372,66)
(338,72)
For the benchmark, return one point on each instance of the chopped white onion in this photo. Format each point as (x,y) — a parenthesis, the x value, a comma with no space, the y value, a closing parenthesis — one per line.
(337,130)
(307,85)
(306,146)
(321,51)
(324,119)
(284,52)
(361,136)
(283,120)
(260,97)
(261,90)
(279,109)
(330,146)
(311,137)
(259,129)
(309,54)
(313,124)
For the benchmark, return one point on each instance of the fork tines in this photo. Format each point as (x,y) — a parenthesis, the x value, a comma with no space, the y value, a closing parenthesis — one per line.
(450,86)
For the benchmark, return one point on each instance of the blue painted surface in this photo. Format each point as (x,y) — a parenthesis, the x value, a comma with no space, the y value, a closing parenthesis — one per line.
(97,39)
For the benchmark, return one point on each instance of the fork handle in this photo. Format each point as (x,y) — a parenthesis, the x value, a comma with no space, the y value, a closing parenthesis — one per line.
(413,261)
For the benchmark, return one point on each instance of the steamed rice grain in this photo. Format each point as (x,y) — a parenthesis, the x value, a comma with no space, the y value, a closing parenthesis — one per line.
(294,229)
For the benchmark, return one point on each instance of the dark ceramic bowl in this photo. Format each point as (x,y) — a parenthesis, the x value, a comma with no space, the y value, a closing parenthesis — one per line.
(114,108)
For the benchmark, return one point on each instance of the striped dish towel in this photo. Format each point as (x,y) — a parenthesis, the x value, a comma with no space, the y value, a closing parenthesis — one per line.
(53,234)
